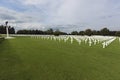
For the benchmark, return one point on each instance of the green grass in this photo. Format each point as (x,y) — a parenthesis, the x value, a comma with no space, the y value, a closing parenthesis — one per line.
(2,35)
(24,58)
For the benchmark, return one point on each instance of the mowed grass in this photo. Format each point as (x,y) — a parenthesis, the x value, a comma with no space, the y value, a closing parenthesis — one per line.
(25,58)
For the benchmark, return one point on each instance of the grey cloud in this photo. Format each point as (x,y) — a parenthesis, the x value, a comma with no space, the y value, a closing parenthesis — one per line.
(7,17)
(18,18)
(94,13)
(18,21)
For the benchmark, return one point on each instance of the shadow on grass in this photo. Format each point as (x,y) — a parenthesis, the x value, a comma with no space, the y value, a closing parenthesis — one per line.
(11,65)
(1,39)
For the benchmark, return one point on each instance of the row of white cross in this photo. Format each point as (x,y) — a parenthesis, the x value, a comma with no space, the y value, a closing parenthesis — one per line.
(90,40)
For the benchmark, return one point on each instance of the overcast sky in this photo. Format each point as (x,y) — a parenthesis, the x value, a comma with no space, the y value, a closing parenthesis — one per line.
(66,15)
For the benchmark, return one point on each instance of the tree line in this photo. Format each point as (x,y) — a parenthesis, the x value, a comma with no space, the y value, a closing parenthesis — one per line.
(3,29)
(47,32)
(103,32)
(89,32)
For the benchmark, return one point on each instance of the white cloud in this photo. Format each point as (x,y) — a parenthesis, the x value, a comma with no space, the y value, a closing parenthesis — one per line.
(88,13)
(22,20)
(34,2)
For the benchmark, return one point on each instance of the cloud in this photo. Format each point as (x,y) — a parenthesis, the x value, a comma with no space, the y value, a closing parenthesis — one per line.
(35,2)
(31,14)
(7,17)
(16,18)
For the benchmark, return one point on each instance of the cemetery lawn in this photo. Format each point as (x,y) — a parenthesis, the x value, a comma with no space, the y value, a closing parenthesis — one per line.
(25,58)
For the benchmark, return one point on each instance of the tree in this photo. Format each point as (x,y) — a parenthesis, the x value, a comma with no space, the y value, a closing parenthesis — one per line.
(117,33)
(11,30)
(104,31)
(49,31)
(112,33)
(74,33)
(3,29)
(57,32)
(94,32)
(88,32)
(81,33)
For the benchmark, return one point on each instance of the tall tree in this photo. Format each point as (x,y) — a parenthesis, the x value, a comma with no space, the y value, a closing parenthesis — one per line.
(57,32)
(81,33)
(104,31)
(117,33)
(88,32)
(74,33)
(3,29)
(49,31)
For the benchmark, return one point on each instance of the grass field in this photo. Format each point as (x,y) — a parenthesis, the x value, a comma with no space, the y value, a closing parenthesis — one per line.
(25,58)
